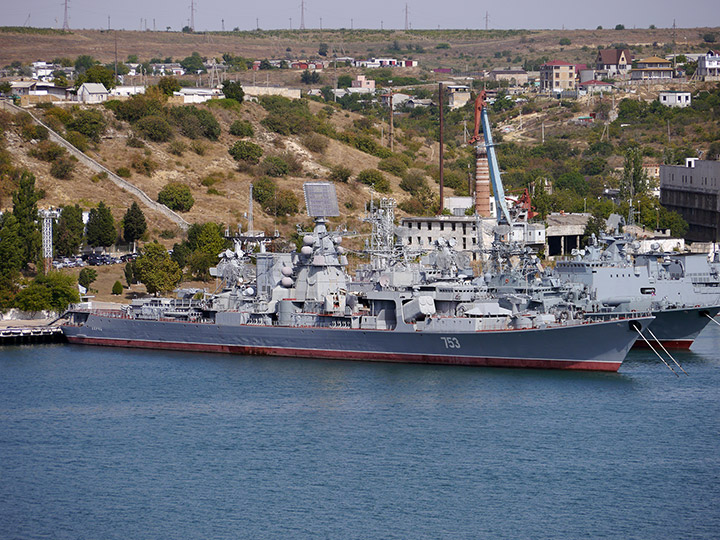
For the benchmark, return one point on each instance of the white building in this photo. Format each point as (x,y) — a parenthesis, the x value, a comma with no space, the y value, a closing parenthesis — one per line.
(92,93)
(709,66)
(675,98)
(127,91)
(198,95)
(458,95)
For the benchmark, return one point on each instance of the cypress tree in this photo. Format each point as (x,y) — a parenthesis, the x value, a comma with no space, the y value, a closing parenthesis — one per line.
(101,227)
(134,224)
(69,231)
(25,211)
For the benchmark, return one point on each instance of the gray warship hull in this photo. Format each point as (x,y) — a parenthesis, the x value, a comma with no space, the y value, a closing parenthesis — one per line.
(677,328)
(597,346)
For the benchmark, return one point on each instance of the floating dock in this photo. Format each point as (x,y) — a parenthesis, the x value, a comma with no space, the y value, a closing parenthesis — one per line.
(31,334)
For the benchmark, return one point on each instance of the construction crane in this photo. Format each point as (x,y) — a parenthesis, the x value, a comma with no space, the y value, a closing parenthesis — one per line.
(481,119)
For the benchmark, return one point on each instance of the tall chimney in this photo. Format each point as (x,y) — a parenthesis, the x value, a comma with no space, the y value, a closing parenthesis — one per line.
(482,180)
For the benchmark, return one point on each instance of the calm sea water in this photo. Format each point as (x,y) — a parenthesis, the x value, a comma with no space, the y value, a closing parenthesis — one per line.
(111,443)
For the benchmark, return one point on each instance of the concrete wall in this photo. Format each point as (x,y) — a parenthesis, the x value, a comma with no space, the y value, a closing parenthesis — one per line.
(292,93)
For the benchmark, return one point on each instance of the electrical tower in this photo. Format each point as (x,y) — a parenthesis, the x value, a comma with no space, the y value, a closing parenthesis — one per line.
(487,20)
(407,19)
(47,237)
(66,23)
(302,15)
(192,15)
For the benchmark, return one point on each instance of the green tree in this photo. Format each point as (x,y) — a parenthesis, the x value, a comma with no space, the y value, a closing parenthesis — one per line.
(25,211)
(156,270)
(134,224)
(89,123)
(11,247)
(84,62)
(241,128)
(595,225)
(206,241)
(246,151)
(97,74)
(344,81)
(193,63)
(573,181)
(233,90)
(117,288)
(634,179)
(168,85)
(309,77)
(564,41)
(69,231)
(130,273)
(101,227)
(323,49)
(176,196)
(86,277)
(155,128)
(50,291)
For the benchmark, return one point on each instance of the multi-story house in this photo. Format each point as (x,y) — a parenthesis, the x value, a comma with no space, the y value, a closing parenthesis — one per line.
(557,76)
(653,68)
(709,66)
(616,62)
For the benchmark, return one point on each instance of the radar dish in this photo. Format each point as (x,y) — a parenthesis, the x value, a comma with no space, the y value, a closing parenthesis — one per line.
(320,199)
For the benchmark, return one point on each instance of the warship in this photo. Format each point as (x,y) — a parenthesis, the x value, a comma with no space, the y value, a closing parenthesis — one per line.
(302,304)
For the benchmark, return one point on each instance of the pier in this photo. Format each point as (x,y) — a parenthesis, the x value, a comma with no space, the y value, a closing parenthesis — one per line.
(31,334)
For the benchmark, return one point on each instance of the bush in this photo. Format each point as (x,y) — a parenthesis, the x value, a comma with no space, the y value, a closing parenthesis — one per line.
(195,123)
(123,172)
(117,288)
(198,147)
(564,41)
(89,123)
(47,151)
(144,165)
(394,165)
(177,148)
(176,196)
(246,151)
(340,173)
(264,190)
(315,143)
(134,142)
(233,90)
(287,117)
(287,203)
(374,178)
(155,128)
(241,128)
(275,166)
(63,167)
(135,108)
(78,140)
(413,181)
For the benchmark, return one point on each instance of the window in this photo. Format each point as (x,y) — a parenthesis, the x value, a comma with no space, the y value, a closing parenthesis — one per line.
(410,241)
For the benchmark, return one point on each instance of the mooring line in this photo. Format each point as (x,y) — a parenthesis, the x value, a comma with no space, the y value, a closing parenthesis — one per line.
(712,319)
(666,351)
(656,353)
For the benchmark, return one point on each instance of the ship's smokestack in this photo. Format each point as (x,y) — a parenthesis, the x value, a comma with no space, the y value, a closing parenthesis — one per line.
(482,180)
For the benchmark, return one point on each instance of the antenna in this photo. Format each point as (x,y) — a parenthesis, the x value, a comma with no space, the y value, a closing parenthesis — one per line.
(192,15)
(302,15)
(66,24)
(321,199)
(407,24)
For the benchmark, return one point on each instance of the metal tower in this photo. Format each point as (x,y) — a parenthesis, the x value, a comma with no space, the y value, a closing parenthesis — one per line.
(66,23)
(192,15)
(302,15)
(407,20)
(47,236)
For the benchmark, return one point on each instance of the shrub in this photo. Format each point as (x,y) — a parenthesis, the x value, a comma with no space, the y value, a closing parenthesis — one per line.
(295,164)
(63,115)
(287,117)
(233,90)
(198,147)
(287,203)
(246,151)
(62,167)
(315,143)
(78,140)
(275,166)
(241,128)
(264,190)
(195,123)
(413,181)
(177,148)
(394,165)
(89,123)
(117,288)
(134,142)
(155,128)
(123,172)
(212,179)
(176,196)
(340,173)
(168,85)
(136,107)
(144,165)
(47,151)
(374,178)
(564,41)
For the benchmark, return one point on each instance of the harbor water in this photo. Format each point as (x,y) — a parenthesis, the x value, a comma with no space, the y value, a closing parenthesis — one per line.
(121,443)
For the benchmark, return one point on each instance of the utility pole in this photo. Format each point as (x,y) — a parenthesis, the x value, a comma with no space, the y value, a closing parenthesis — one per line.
(442,154)
(381,25)
(257,23)
(487,20)
(351,24)
(222,22)
(108,22)
(407,23)
(66,23)
(290,19)
(390,130)
(543,132)
(321,24)
(153,24)
(115,56)
(192,15)
(302,15)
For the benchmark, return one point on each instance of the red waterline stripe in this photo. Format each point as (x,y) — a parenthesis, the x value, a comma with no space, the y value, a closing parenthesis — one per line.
(354,355)
(667,343)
